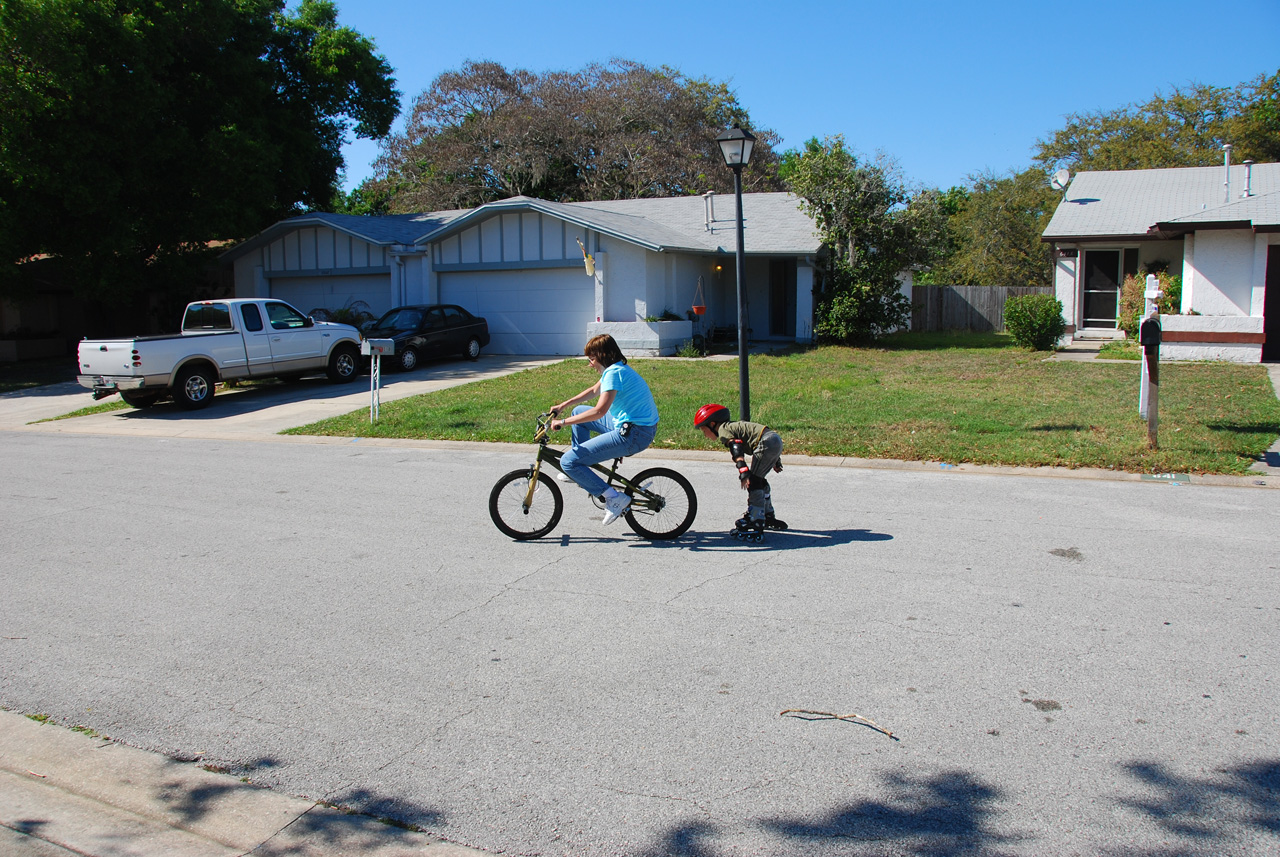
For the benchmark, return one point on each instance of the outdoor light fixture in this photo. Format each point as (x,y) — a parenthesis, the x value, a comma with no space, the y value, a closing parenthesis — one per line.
(736,146)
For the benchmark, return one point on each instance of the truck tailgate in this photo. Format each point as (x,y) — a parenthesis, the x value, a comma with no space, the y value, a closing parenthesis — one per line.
(107,357)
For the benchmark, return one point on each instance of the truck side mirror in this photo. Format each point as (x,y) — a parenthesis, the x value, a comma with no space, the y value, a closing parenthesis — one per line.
(310,322)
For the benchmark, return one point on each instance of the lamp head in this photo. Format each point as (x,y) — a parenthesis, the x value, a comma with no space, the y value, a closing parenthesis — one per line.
(736,145)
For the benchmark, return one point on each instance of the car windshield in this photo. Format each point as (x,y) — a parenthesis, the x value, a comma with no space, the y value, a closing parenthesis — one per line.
(400,319)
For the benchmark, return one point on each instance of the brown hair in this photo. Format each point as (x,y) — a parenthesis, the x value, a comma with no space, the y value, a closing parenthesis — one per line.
(604,349)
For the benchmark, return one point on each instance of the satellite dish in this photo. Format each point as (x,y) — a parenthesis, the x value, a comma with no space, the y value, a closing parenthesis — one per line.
(1060,178)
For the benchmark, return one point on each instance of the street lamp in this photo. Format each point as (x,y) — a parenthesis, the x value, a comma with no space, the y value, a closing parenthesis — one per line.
(736,146)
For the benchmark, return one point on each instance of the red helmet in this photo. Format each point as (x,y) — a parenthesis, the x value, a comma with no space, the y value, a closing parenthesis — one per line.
(717,414)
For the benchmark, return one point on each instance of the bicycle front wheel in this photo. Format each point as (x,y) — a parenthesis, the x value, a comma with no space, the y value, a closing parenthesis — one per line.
(666,508)
(508,510)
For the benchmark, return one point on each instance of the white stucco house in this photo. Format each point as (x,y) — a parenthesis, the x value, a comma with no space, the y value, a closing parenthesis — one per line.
(518,263)
(1218,227)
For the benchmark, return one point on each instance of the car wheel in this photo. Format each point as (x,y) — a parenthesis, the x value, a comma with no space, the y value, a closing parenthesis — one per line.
(408,359)
(194,387)
(473,349)
(344,363)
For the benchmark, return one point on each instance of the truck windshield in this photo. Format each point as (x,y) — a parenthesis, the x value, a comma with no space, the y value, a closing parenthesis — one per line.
(207,317)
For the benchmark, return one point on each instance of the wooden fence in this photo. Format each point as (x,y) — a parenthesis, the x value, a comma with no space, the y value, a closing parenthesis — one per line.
(976,308)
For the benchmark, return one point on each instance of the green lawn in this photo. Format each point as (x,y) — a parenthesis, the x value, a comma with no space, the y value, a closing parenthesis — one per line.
(971,398)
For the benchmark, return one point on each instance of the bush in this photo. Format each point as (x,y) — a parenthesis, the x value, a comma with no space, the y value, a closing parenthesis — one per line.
(1133,302)
(1034,321)
(859,312)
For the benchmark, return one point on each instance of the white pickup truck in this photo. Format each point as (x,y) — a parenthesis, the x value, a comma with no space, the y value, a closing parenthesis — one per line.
(221,340)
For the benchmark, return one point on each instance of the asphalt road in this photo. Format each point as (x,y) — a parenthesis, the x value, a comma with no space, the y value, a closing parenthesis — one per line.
(1068,666)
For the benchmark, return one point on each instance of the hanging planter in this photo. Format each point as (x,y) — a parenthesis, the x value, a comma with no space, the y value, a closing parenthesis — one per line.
(699,302)
(588,260)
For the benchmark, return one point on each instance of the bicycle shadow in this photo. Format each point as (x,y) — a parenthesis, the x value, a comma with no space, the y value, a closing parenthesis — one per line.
(793,539)
(773,539)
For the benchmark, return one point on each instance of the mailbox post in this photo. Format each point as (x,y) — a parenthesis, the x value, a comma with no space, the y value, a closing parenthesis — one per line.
(1149,339)
(374,349)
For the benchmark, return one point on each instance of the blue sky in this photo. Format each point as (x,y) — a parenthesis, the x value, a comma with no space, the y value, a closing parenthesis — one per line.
(946,88)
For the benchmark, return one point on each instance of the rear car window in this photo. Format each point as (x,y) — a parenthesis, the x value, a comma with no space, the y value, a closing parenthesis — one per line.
(207,317)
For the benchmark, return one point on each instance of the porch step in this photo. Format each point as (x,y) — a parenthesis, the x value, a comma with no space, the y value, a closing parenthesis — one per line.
(1098,335)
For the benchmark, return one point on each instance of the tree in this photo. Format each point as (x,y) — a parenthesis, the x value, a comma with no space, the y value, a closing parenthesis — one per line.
(1184,129)
(995,232)
(614,131)
(137,132)
(872,230)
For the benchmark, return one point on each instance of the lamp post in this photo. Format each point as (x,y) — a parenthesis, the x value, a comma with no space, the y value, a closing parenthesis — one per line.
(736,145)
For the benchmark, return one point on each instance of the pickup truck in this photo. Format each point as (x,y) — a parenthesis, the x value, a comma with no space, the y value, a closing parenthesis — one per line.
(221,340)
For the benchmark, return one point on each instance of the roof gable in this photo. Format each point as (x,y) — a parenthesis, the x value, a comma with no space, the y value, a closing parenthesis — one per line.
(1130,203)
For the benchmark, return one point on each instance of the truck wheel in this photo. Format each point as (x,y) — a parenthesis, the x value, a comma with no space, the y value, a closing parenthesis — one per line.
(194,388)
(473,349)
(344,363)
(139,399)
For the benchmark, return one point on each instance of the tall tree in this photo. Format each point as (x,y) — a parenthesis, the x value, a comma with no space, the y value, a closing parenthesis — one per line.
(995,232)
(136,132)
(614,131)
(1186,128)
(873,230)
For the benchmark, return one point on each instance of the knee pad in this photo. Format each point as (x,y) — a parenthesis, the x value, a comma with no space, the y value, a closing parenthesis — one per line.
(758,483)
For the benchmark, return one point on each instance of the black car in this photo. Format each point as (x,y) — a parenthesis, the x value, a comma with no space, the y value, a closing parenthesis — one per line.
(440,330)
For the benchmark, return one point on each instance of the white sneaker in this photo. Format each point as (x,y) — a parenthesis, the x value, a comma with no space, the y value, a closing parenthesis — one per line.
(614,507)
(563,477)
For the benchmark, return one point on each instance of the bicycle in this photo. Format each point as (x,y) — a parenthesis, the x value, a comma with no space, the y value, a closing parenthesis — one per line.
(527,503)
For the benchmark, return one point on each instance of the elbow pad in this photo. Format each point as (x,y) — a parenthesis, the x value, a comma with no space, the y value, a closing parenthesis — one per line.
(737,450)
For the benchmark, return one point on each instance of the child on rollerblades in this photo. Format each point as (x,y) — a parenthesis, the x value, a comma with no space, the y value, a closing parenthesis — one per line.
(765,448)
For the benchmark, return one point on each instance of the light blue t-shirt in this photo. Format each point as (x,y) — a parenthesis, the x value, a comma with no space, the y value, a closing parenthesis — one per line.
(633,402)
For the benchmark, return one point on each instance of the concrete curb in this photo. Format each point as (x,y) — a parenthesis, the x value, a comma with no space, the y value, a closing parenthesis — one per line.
(63,792)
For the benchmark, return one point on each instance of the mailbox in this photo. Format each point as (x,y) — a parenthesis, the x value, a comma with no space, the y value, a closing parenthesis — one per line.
(1149,332)
(380,347)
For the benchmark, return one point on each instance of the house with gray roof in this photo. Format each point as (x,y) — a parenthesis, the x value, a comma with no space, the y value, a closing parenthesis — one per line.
(520,263)
(1217,227)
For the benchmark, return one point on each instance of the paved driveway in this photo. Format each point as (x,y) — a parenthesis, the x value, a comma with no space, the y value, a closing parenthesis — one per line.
(1067,665)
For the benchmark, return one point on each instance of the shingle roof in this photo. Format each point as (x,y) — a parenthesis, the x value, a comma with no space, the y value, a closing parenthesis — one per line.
(1129,203)
(773,222)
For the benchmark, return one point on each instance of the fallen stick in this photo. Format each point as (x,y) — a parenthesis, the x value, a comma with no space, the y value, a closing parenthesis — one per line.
(852,718)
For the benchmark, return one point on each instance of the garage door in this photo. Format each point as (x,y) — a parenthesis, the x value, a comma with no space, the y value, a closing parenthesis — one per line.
(309,293)
(529,312)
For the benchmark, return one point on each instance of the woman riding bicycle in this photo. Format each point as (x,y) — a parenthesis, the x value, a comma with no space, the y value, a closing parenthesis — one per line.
(624,420)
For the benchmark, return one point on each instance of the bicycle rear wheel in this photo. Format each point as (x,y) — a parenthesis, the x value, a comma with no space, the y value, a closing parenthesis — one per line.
(669,509)
(506,505)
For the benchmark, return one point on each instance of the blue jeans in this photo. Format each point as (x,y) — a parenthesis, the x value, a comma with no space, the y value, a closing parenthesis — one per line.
(608,444)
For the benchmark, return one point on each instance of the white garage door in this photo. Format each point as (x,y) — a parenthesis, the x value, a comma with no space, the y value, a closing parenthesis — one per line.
(309,293)
(529,312)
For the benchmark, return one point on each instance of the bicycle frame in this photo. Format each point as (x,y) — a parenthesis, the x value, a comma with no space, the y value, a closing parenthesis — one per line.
(641,499)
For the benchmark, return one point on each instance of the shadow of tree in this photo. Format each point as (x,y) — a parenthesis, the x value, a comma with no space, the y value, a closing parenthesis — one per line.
(390,809)
(946,814)
(193,804)
(683,841)
(1212,813)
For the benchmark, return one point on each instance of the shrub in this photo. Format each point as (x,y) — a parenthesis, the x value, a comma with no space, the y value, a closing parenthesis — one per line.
(1034,321)
(1133,300)
(855,312)
(355,313)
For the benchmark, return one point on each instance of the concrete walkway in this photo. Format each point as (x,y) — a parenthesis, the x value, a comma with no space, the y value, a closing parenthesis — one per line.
(66,793)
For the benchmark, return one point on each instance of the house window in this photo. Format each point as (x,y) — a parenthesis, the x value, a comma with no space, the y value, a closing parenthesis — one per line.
(1104,273)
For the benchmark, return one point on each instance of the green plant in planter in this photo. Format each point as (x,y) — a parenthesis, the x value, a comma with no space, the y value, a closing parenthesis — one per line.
(667,315)
(1034,321)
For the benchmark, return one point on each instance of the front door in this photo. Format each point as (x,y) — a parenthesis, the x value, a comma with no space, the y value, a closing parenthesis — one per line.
(1104,273)
(782,297)
(1271,306)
